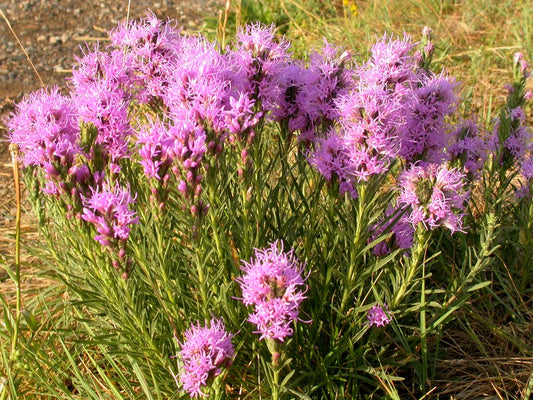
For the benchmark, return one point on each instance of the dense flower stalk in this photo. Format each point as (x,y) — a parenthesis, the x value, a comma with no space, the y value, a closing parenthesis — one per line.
(392,108)
(468,148)
(272,283)
(435,195)
(109,210)
(45,129)
(151,49)
(101,93)
(423,137)
(204,352)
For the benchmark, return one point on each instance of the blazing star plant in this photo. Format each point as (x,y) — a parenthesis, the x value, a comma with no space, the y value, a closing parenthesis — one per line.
(204,352)
(170,161)
(273,284)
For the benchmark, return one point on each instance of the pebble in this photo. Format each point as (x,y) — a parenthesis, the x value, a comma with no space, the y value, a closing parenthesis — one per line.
(54,40)
(50,31)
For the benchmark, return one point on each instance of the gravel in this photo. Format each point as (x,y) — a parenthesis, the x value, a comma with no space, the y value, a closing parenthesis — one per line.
(52,32)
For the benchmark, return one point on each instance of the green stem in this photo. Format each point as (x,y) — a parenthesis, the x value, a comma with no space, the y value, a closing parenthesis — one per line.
(202,282)
(275,351)
(275,388)
(356,245)
(423,338)
(421,240)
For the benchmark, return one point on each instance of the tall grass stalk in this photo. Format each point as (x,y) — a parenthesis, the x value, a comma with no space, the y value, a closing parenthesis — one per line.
(12,318)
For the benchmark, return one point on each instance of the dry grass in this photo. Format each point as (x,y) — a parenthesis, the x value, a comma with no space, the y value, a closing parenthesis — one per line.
(488,353)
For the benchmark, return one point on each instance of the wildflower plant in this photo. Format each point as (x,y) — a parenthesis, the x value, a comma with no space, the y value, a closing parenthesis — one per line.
(204,352)
(302,203)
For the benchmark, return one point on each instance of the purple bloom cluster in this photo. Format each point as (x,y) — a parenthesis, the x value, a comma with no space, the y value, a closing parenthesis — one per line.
(204,352)
(150,47)
(402,232)
(434,195)
(100,93)
(424,134)
(325,80)
(393,109)
(190,100)
(378,316)
(108,209)
(272,283)
(45,129)
(468,148)
(512,141)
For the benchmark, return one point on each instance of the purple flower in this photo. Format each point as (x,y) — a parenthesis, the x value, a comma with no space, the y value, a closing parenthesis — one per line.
(390,66)
(271,283)
(261,66)
(45,128)
(101,92)
(330,158)
(424,135)
(326,79)
(521,63)
(435,195)
(205,351)
(366,141)
(151,47)
(526,172)
(373,113)
(402,233)
(97,67)
(378,316)
(260,41)
(107,110)
(199,85)
(468,147)
(526,168)
(155,146)
(108,209)
(511,139)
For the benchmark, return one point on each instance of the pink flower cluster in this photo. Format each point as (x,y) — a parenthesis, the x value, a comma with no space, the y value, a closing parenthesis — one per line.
(272,284)
(378,316)
(392,109)
(47,134)
(434,195)
(108,209)
(204,352)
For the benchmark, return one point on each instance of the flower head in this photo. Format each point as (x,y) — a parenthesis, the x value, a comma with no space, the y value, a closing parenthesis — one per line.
(108,209)
(272,284)
(205,351)
(435,194)
(468,148)
(45,128)
(378,315)
(424,135)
